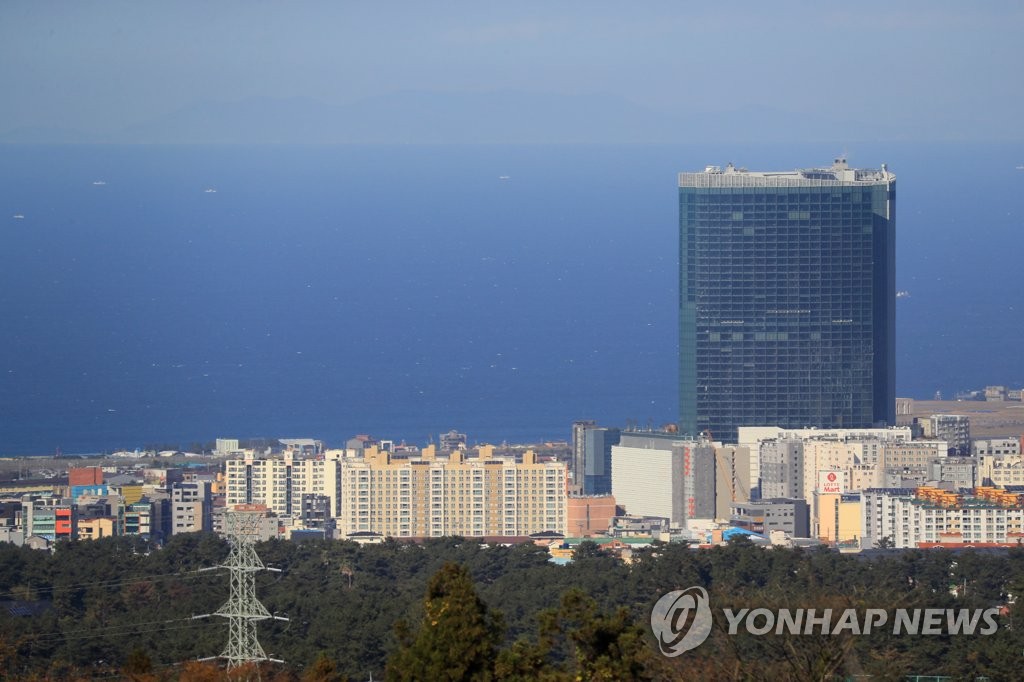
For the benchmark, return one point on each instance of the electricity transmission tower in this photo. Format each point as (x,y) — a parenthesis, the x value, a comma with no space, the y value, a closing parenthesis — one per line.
(242,609)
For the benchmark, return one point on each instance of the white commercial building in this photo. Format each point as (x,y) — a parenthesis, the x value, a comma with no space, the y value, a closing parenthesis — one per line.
(662,475)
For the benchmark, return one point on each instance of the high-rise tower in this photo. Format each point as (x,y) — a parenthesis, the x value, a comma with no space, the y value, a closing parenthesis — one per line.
(787,298)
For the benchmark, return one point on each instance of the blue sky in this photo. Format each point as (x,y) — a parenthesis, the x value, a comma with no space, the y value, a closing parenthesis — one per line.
(921,70)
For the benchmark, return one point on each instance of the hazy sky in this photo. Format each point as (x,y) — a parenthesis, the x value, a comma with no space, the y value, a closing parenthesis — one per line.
(937,69)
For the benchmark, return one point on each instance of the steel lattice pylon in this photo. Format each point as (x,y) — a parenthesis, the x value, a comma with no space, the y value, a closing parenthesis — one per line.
(243,610)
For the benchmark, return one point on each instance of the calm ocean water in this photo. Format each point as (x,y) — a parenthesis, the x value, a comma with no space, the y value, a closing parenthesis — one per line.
(405,291)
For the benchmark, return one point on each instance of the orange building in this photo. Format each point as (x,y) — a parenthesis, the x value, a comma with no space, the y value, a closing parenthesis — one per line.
(589,515)
(64,522)
(85,476)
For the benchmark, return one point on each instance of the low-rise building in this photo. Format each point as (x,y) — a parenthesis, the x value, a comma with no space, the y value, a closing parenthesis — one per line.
(998,447)
(790,516)
(589,515)
(1001,470)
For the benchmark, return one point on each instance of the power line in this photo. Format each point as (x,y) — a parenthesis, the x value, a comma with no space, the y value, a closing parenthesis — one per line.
(113,630)
(101,583)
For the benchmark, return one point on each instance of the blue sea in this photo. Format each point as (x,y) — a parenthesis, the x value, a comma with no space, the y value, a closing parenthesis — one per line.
(174,294)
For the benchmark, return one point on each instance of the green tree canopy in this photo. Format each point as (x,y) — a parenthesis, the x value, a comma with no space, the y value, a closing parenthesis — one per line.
(458,637)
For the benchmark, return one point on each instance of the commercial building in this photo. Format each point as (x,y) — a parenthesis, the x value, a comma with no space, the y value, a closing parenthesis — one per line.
(782,468)
(579,454)
(955,429)
(995,446)
(589,515)
(1001,470)
(226,446)
(825,449)
(839,522)
(763,516)
(592,456)
(656,474)
(787,299)
(732,478)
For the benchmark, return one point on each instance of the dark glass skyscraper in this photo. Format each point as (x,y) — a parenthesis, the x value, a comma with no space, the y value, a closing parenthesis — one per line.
(786,299)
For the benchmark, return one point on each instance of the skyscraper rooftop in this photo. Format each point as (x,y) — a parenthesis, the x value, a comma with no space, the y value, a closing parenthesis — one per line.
(838,175)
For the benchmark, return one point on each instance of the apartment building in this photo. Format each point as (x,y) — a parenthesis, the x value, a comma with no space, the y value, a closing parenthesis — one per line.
(909,518)
(431,496)
(280,482)
(190,507)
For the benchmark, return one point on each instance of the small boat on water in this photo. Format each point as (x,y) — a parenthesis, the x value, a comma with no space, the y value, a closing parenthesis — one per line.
(18,216)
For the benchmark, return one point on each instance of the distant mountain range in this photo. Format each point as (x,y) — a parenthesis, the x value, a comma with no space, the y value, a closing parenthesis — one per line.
(451,117)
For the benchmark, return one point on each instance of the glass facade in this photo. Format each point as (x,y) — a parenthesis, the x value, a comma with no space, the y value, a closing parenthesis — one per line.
(597,467)
(787,300)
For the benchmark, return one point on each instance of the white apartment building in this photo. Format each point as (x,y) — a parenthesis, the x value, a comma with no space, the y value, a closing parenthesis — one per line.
(906,518)
(280,482)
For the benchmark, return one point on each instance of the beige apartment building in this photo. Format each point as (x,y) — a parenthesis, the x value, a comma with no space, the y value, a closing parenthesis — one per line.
(914,455)
(426,496)
(432,496)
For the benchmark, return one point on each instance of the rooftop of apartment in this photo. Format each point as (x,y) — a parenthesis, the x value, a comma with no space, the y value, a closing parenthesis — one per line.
(837,175)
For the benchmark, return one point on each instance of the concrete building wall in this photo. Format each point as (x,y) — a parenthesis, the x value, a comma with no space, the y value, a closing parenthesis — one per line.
(188,517)
(1001,470)
(751,436)
(916,455)
(644,482)
(955,429)
(960,472)
(782,468)
(94,529)
(659,474)
(764,516)
(839,519)
(995,446)
(879,515)
(732,477)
